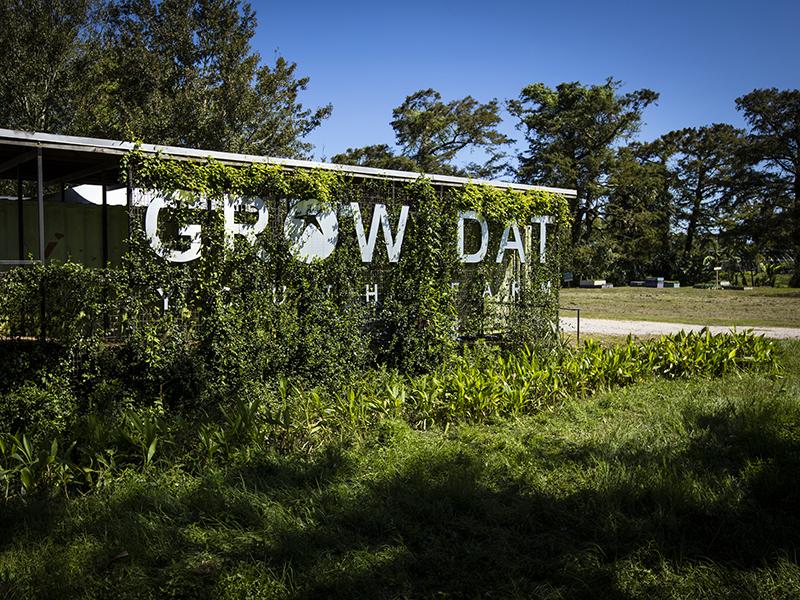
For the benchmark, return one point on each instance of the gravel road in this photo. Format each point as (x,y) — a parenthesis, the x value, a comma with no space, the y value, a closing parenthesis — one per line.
(613,327)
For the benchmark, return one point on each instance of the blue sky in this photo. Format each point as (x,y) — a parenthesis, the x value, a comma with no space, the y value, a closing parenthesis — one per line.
(365,58)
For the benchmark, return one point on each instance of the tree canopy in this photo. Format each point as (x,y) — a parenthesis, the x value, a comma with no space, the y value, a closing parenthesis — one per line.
(430,135)
(170,71)
(571,132)
(704,167)
(47,46)
(774,119)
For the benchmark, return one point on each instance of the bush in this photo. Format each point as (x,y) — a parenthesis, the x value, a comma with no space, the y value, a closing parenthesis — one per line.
(45,411)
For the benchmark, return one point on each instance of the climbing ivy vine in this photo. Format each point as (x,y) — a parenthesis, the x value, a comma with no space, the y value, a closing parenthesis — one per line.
(249,312)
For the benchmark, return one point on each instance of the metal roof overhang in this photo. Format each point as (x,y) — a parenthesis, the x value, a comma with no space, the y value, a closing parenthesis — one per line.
(71,159)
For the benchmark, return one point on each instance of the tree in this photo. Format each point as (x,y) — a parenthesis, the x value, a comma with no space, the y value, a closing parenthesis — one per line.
(378,156)
(279,122)
(703,174)
(182,72)
(571,132)
(47,45)
(774,119)
(753,213)
(178,72)
(640,211)
(431,133)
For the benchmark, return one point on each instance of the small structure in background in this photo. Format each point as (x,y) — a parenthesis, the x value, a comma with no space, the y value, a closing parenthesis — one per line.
(727,285)
(655,282)
(595,283)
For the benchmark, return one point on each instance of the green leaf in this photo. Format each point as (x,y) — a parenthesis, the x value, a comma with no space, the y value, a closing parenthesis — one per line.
(26,477)
(151,450)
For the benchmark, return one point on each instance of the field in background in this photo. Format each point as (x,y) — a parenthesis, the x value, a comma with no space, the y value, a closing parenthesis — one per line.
(776,307)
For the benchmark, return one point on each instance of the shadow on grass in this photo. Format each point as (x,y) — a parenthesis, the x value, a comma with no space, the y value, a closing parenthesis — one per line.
(437,522)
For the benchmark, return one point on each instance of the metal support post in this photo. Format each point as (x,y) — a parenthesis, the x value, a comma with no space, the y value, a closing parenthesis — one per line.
(40,199)
(20,217)
(129,202)
(104,225)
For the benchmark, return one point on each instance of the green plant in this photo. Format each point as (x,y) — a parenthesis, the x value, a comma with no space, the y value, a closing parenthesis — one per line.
(142,430)
(28,469)
(211,438)
(47,409)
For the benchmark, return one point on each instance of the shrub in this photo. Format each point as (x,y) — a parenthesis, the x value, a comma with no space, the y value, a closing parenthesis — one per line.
(45,410)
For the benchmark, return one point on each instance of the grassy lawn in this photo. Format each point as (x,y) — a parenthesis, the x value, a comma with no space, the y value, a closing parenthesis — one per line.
(779,307)
(664,489)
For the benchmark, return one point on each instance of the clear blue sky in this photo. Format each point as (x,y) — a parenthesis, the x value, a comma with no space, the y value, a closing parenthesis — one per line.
(365,58)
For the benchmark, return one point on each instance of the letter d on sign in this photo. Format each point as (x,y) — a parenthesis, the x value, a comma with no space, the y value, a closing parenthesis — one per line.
(481,253)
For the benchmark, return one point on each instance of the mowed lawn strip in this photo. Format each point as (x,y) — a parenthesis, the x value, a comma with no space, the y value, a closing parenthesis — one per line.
(664,489)
(775,307)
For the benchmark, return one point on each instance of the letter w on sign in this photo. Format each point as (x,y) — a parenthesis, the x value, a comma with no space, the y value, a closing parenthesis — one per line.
(380,217)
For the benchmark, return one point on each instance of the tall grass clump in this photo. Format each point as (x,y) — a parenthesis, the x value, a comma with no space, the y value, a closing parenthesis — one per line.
(483,385)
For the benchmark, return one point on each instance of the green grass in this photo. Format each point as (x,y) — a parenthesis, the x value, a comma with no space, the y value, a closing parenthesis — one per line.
(777,307)
(664,489)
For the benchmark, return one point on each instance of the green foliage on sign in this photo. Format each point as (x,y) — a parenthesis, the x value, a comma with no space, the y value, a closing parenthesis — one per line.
(243,314)
(505,205)
(413,325)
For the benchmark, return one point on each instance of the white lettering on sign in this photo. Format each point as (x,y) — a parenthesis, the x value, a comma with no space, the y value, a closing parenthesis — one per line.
(515,244)
(248,231)
(275,294)
(543,222)
(192,232)
(165,296)
(478,256)
(312,228)
(371,293)
(380,217)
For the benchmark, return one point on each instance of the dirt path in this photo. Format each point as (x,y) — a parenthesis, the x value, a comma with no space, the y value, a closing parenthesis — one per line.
(614,327)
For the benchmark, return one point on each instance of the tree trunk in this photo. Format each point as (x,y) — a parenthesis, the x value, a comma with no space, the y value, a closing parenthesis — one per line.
(694,217)
(587,232)
(582,204)
(577,220)
(795,281)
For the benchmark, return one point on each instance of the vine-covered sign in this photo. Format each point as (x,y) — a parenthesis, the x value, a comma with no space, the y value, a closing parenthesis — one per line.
(385,271)
(312,228)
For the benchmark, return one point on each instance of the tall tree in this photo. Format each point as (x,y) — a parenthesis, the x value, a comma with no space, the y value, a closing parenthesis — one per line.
(378,156)
(640,212)
(571,132)
(168,71)
(752,218)
(183,72)
(431,134)
(47,46)
(703,173)
(774,119)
